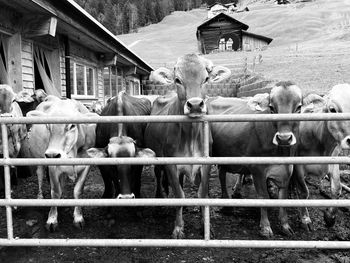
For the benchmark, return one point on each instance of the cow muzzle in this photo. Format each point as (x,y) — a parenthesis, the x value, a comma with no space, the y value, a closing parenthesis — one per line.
(52,154)
(195,107)
(345,143)
(126,196)
(284,139)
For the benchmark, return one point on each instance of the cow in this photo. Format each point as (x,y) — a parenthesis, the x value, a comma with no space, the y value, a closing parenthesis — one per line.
(191,73)
(96,107)
(122,140)
(28,102)
(259,139)
(323,138)
(64,141)
(15,132)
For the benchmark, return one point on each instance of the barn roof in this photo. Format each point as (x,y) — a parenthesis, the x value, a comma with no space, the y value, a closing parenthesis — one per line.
(267,39)
(230,18)
(79,26)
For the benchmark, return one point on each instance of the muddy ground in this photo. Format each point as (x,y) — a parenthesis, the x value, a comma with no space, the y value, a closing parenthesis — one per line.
(157,222)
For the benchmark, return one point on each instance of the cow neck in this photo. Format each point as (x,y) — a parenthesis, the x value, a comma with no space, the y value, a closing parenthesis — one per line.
(190,132)
(264,131)
(324,137)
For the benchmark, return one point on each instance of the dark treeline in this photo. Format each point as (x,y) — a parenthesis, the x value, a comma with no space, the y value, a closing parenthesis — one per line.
(124,16)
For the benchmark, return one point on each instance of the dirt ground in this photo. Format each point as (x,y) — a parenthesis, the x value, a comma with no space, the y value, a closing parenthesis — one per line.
(151,222)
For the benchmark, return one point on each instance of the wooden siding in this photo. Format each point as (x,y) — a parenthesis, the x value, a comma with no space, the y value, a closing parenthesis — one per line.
(250,43)
(63,71)
(27,65)
(100,85)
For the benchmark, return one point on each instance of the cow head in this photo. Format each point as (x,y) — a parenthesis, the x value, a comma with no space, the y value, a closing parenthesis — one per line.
(6,98)
(191,73)
(285,97)
(337,101)
(122,146)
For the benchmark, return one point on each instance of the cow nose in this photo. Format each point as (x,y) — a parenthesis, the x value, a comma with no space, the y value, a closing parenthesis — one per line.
(126,196)
(345,143)
(52,155)
(195,107)
(284,139)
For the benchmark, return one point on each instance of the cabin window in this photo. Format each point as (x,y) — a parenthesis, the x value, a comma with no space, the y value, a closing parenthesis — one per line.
(83,78)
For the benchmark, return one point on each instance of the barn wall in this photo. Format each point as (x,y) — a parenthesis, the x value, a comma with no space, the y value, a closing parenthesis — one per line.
(27,65)
(251,43)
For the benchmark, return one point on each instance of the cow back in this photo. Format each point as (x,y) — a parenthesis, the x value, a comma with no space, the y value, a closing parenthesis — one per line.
(124,106)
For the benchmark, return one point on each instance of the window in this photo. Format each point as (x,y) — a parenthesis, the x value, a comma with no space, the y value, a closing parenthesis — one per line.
(112,81)
(83,80)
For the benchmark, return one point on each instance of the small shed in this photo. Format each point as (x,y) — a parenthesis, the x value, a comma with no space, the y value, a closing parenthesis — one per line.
(222,30)
(57,46)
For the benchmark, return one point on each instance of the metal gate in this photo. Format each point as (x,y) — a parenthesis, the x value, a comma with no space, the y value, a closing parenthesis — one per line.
(9,203)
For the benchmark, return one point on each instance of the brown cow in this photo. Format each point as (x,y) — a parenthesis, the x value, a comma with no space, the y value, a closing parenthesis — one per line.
(323,138)
(259,139)
(190,75)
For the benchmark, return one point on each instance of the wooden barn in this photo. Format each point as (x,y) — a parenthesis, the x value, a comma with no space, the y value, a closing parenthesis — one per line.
(59,47)
(224,33)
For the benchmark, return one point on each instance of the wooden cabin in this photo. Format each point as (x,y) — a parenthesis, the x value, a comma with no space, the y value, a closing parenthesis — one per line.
(224,33)
(57,46)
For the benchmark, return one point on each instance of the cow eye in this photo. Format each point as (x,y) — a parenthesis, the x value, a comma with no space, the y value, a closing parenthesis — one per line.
(332,109)
(206,80)
(70,127)
(298,110)
(178,81)
(272,109)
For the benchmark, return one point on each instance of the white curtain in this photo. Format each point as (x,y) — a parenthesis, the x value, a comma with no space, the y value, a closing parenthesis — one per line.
(42,58)
(4,76)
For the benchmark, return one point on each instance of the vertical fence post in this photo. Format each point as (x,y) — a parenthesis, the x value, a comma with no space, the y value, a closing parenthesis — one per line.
(206,154)
(7,181)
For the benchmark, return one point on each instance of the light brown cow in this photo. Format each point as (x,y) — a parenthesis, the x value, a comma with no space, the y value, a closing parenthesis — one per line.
(323,138)
(65,141)
(190,75)
(259,139)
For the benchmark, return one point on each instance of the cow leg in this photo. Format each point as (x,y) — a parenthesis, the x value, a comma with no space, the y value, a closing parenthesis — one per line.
(158,171)
(302,192)
(283,216)
(222,177)
(262,193)
(40,172)
(137,184)
(334,177)
(237,189)
(203,191)
(56,193)
(174,175)
(78,190)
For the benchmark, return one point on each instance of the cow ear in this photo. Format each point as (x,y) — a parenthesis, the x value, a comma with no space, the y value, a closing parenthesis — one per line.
(260,102)
(97,152)
(36,113)
(219,74)
(145,152)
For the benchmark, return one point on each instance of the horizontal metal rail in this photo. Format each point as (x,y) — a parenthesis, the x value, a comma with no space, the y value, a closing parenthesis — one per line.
(177,202)
(176,243)
(180,118)
(177,160)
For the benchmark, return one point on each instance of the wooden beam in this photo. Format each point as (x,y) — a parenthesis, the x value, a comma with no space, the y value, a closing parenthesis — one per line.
(108,59)
(129,70)
(39,26)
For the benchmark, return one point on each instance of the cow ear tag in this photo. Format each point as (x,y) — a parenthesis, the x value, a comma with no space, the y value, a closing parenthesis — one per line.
(97,152)
(146,152)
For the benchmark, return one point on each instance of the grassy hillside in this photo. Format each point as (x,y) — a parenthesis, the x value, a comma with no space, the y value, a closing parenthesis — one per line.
(311,41)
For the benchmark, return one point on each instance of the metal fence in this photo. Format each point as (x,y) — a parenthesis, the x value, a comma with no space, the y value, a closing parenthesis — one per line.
(9,203)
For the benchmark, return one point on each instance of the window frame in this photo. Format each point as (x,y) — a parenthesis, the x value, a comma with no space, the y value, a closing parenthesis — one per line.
(74,88)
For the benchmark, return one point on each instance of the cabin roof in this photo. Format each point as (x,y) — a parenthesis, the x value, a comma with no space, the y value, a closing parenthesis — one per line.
(230,18)
(267,39)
